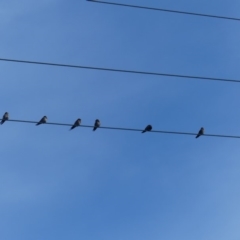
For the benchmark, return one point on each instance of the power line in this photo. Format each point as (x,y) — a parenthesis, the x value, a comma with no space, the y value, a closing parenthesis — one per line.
(166,10)
(127,129)
(122,70)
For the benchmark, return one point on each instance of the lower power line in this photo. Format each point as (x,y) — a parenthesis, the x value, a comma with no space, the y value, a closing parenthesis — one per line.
(127,129)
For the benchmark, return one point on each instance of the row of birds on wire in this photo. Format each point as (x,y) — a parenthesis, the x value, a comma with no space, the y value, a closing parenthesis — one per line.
(97,124)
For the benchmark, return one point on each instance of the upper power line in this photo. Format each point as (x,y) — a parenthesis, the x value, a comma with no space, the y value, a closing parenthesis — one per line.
(119,128)
(167,10)
(123,70)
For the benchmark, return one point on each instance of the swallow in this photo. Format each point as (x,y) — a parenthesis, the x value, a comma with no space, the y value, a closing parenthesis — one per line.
(76,124)
(96,124)
(147,129)
(201,132)
(5,117)
(43,120)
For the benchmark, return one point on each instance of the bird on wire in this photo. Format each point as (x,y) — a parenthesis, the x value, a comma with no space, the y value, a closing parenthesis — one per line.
(200,133)
(76,124)
(96,124)
(147,129)
(43,120)
(5,117)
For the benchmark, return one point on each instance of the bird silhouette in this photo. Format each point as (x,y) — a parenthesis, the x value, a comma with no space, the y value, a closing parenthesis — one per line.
(147,129)
(96,124)
(201,132)
(43,120)
(5,117)
(76,124)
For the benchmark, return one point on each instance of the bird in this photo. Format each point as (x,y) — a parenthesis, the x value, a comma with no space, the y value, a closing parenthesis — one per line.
(96,124)
(201,132)
(43,120)
(76,124)
(5,117)
(147,128)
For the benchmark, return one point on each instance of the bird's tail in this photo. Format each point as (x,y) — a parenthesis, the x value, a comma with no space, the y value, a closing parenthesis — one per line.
(143,131)
(94,129)
(37,124)
(198,136)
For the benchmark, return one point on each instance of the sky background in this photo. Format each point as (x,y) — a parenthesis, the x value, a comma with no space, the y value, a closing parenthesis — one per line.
(56,184)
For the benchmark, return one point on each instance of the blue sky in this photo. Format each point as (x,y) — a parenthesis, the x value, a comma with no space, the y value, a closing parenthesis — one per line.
(56,184)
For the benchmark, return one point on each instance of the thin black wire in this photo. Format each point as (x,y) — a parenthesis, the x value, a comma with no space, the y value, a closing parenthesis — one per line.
(121,70)
(128,129)
(166,10)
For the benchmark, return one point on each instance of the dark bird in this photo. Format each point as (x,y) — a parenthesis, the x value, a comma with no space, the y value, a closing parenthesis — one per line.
(76,124)
(96,124)
(5,117)
(201,132)
(43,120)
(147,129)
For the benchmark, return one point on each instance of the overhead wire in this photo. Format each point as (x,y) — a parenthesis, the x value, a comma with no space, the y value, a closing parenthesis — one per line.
(166,10)
(125,129)
(121,70)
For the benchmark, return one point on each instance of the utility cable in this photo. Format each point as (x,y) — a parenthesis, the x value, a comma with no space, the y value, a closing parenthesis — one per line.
(122,70)
(126,129)
(166,10)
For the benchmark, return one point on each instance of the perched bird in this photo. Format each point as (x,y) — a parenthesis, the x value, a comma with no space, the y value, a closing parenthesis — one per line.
(147,128)
(96,124)
(201,132)
(43,120)
(76,124)
(5,117)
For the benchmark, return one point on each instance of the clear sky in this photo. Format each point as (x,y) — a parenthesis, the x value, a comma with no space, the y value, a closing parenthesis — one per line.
(105,185)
